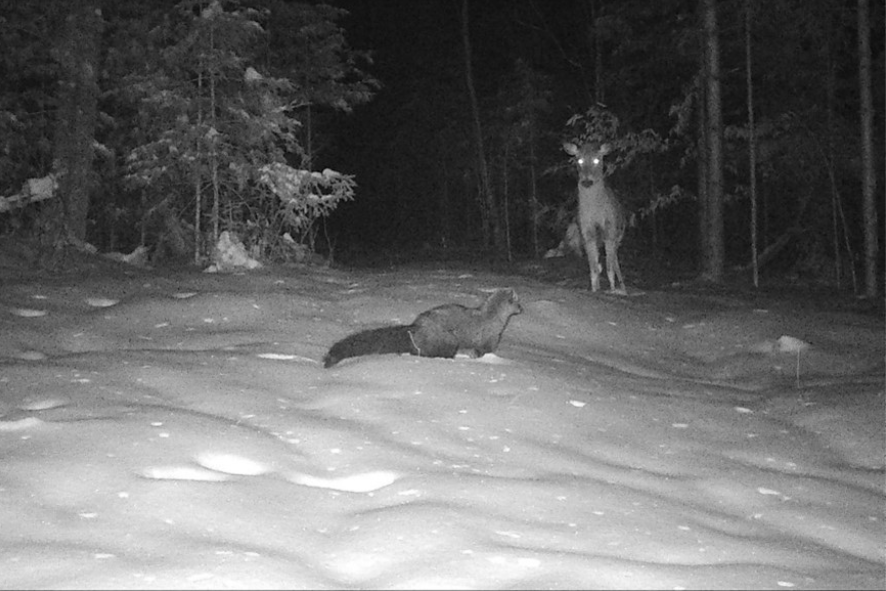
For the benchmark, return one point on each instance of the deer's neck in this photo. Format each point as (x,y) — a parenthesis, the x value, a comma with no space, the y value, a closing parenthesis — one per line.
(591,183)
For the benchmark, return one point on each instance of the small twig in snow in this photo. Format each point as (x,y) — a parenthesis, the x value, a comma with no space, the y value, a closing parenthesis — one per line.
(798,368)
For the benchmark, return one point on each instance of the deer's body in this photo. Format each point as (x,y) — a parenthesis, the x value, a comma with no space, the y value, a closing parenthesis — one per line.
(601,217)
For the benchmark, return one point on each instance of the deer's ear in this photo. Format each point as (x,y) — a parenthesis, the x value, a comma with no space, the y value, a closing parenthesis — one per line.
(604,149)
(570,148)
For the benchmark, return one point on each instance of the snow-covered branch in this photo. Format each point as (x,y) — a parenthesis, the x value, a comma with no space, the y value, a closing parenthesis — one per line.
(33,190)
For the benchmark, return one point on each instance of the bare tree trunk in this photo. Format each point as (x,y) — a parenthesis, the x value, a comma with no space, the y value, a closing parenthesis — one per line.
(533,189)
(599,94)
(505,199)
(487,198)
(198,196)
(752,141)
(714,258)
(703,152)
(213,151)
(444,208)
(78,55)
(309,137)
(830,102)
(869,182)
(198,216)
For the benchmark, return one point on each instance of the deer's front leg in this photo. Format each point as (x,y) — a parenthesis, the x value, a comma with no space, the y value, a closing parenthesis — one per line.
(593,252)
(613,270)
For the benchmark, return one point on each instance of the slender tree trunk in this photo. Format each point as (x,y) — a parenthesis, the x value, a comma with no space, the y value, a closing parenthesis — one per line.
(213,151)
(198,196)
(830,102)
(714,258)
(752,141)
(309,137)
(198,217)
(533,189)
(599,94)
(77,52)
(505,199)
(869,183)
(444,221)
(703,151)
(487,198)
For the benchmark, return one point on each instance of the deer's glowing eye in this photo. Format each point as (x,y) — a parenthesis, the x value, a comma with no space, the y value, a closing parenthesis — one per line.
(596,161)
(581,161)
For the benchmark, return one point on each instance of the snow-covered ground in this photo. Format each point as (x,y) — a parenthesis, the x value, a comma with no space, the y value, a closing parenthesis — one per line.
(179,431)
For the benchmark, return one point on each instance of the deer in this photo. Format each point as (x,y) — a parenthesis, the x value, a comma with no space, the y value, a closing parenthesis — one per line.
(601,217)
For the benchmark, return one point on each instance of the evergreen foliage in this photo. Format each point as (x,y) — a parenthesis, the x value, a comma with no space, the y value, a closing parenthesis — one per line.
(203,125)
(225,115)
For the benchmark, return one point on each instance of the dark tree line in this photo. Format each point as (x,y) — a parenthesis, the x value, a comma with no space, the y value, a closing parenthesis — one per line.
(537,64)
(161,123)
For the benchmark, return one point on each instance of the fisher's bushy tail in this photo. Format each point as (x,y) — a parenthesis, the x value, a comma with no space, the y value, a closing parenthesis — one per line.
(388,339)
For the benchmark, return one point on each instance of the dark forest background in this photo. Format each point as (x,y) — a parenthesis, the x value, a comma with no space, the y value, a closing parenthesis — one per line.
(169,122)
